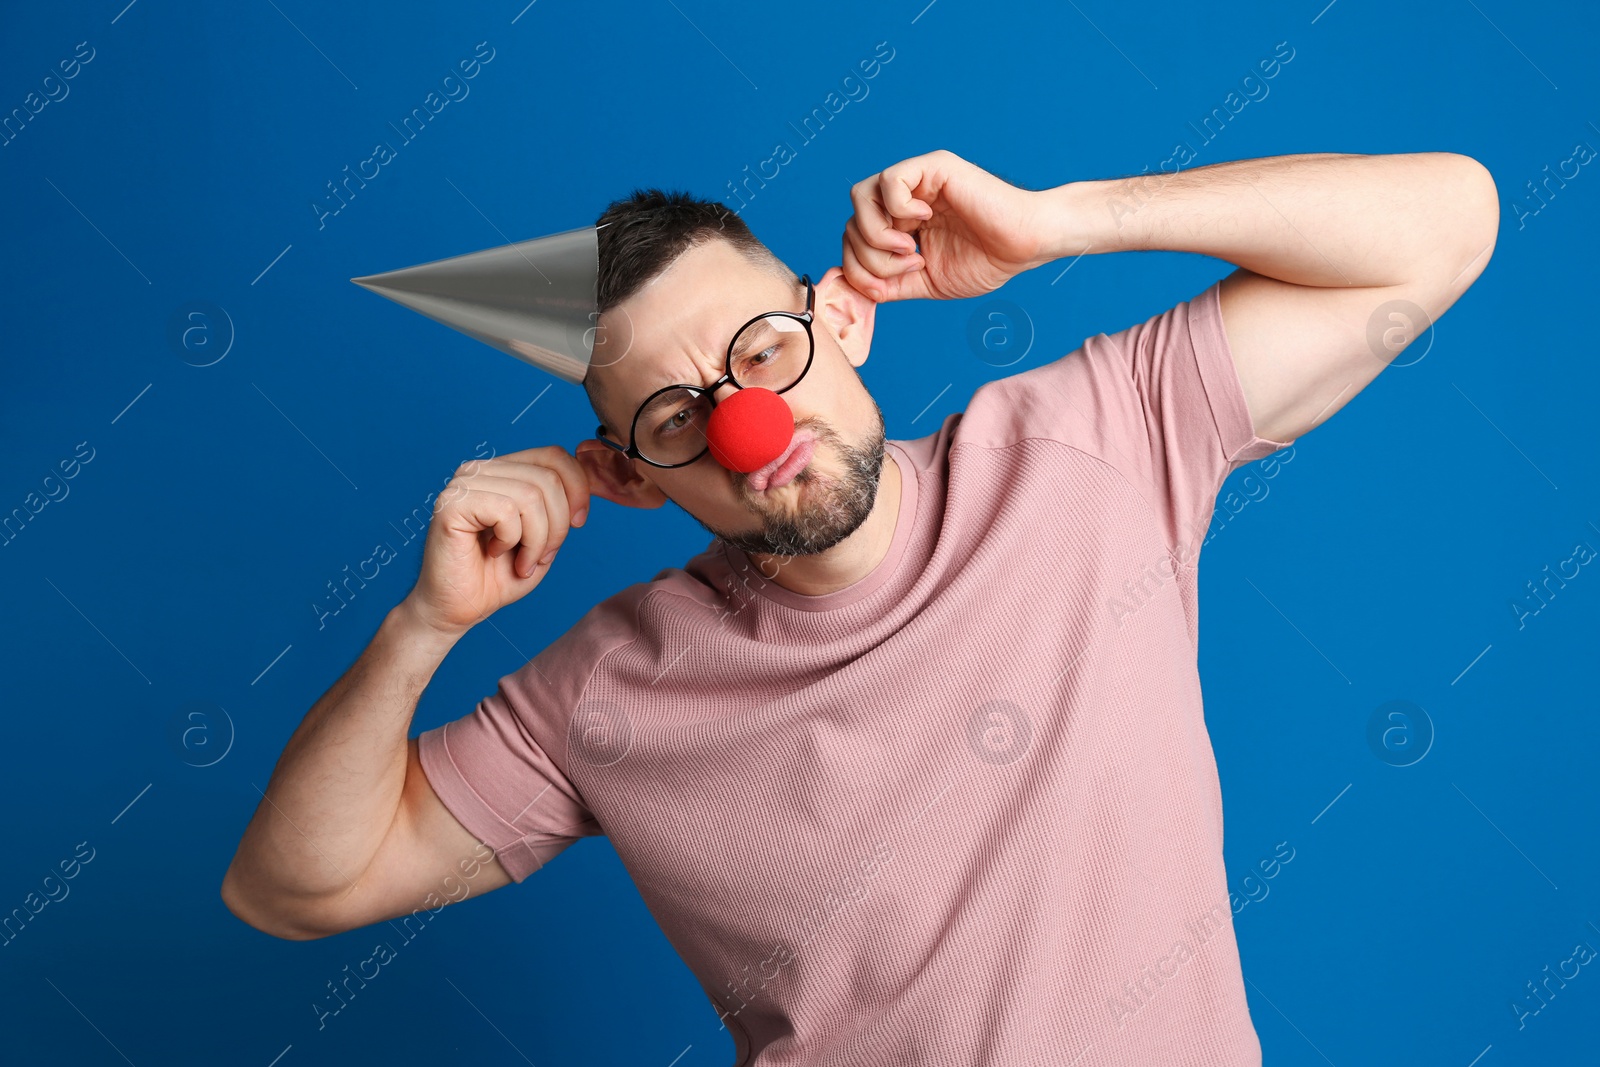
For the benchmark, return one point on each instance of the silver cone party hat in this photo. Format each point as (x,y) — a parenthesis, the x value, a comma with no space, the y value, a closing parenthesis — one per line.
(534,299)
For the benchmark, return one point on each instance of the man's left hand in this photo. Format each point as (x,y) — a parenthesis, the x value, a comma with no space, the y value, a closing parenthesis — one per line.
(936,226)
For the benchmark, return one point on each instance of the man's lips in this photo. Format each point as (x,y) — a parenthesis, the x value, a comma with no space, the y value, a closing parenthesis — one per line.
(782,470)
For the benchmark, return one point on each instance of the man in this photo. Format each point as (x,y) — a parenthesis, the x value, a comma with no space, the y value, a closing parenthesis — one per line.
(910,763)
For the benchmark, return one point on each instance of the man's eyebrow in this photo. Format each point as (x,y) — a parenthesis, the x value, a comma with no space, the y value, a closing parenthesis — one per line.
(658,385)
(721,355)
(666,380)
(725,331)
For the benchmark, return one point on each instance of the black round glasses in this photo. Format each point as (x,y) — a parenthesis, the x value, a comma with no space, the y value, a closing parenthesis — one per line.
(771,351)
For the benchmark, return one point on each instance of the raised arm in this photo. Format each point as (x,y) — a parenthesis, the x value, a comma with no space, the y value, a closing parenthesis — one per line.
(349,831)
(1344,259)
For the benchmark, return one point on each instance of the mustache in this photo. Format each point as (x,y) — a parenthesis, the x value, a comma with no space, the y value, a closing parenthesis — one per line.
(820,432)
(840,503)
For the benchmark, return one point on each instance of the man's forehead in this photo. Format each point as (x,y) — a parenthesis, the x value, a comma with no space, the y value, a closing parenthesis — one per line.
(658,343)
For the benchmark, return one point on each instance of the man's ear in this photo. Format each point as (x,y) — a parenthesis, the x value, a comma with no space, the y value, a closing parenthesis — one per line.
(612,476)
(847,313)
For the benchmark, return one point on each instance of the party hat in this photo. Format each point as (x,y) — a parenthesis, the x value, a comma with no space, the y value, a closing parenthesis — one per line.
(533,299)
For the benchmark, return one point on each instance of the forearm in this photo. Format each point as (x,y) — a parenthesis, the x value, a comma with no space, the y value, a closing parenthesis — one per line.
(1316,219)
(337,785)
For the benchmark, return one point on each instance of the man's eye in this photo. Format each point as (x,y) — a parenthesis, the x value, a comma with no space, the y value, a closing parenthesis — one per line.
(769,352)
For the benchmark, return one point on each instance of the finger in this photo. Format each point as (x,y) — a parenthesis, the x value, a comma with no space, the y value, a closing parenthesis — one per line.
(575,480)
(859,277)
(541,501)
(474,510)
(881,263)
(536,477)
(528,487)
(911,186)
(907,286)
(460,482)
(537,524)
(550,501)
(876,227)
(898,185)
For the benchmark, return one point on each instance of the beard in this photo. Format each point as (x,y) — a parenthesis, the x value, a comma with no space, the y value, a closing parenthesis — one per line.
(827,508)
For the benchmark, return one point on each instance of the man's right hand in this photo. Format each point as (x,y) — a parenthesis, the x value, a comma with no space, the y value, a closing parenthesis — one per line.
(495,528)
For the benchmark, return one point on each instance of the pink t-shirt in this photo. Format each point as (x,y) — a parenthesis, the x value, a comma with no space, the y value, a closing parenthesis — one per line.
(964,811)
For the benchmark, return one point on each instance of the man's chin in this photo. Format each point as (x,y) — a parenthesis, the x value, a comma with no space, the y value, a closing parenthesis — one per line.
(806,517)
(823,504)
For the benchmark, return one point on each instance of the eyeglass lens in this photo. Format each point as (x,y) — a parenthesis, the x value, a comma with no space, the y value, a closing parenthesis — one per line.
(769,353)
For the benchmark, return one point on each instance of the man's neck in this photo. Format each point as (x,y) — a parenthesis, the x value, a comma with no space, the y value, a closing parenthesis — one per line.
(851,559)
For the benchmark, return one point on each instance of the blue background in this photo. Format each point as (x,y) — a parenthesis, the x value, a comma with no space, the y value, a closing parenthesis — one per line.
(179,572)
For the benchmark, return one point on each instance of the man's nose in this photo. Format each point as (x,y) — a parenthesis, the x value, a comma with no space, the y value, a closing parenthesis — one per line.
(749,429)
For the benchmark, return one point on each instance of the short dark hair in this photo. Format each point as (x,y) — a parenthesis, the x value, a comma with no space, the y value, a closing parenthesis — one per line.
(642,234)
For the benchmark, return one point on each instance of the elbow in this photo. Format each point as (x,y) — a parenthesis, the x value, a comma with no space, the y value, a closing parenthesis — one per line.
(1479,208)
(268,920)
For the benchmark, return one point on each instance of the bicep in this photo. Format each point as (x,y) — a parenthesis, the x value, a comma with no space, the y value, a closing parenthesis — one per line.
(1302,352)
(427,860)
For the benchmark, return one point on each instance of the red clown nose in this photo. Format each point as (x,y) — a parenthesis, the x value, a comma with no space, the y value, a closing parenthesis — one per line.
(749,429)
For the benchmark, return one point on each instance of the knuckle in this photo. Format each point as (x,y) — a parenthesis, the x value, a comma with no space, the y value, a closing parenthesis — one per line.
(560,460)
(545,478)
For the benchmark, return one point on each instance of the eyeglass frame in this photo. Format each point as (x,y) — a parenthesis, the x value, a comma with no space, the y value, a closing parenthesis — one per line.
(805,318)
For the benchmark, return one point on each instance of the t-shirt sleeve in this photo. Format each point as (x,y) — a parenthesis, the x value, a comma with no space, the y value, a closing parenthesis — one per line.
(499,782)
(1160,401)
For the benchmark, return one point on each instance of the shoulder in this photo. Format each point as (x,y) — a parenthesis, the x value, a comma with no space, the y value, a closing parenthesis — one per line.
(627,621)
(1094,398)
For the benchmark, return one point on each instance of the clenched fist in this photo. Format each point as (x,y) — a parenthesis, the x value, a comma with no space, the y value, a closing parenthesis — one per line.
(496,527)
